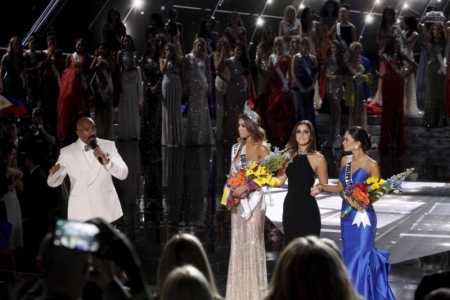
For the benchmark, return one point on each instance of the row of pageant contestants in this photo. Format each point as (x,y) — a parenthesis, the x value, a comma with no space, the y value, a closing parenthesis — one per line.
(367,266)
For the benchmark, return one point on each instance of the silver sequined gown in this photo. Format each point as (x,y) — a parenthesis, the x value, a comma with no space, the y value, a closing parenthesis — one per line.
(129,98)
(198,128)
(171,107)
(289,30)
(221,94)
(334,88)
(247,272)
(235,100)
(358,112)
(262,59)
(410,101)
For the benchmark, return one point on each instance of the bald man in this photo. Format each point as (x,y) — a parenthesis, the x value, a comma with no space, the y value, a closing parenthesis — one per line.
(92,193)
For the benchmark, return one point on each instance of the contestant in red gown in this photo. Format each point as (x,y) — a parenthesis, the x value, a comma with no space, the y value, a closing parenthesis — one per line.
(392,116)
(71,106)
(278,115)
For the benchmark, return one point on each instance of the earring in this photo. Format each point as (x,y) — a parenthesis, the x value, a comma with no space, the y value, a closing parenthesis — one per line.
(356,147)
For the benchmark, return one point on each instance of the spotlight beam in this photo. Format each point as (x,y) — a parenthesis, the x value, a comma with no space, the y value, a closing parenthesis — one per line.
(256,27)
(365,23)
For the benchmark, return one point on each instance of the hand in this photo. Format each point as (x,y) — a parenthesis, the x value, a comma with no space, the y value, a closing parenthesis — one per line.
(154,89)
(141,103)
(41,128)
(96,52)
(303,90)
(168,54)
(316,190)
(99,153)
(240,190)
(54,169)
(39,65)
(353,204)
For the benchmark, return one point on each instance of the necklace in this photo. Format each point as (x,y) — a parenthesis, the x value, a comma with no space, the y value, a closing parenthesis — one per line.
(302,152)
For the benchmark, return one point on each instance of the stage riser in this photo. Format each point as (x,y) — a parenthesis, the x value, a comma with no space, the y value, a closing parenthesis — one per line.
(416,135)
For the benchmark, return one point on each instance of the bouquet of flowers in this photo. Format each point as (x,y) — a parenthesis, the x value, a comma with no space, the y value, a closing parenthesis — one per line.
(366,193)
(258,174)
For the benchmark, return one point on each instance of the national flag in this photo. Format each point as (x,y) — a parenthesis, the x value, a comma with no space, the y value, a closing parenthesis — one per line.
(227,198)
(12,105)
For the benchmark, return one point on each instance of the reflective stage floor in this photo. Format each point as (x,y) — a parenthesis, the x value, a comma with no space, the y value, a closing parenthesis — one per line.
(178,189)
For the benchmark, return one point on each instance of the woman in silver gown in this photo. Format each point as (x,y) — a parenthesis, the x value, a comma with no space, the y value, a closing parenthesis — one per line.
(333,65)
(171,93)
(132,91)
(221,83)
(247,273)
(358,110)
(198,73)
(237,91)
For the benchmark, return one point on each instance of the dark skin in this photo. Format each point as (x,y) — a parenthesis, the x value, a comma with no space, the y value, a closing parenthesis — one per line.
(86,132)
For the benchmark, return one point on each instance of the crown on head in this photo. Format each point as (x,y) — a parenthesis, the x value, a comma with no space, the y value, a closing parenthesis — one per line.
(251,114)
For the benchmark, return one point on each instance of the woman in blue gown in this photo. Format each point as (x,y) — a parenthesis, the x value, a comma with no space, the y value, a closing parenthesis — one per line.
(367,266)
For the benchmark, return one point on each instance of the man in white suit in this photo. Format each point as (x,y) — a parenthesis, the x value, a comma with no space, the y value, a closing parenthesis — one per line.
(92,193)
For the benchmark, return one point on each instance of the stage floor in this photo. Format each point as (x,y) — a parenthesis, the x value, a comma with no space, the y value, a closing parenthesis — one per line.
(178,189)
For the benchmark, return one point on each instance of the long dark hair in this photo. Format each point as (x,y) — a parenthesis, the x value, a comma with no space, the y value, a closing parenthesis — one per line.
(82,40)
(244,59)
(411,22)
(264,42)
(240,23)
(132,47)
(292,143)
(149,46)
(340,60)
(324,12)
(10,50)
(389,47)
(156,17)
(202,29)
(119,18)
(303,16)
(383,23)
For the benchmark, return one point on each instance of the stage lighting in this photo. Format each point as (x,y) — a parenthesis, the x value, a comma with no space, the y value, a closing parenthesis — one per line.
(260,21)
(163,7)
(369,18)
(302,6)
(269,1)
(405,6)
(137,3)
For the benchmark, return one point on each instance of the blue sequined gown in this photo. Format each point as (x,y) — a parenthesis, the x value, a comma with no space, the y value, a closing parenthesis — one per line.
(367,266)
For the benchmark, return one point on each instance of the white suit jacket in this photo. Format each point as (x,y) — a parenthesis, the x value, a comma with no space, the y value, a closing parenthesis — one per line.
(92,193)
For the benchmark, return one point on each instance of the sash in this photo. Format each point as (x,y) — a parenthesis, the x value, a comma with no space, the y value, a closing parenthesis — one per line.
(19,72)
(241,70)
(171,66)
(234,36)
(208,45)
(360,217)
(197,68)
(392,63)
(442,70)
(304,64)
(250,202)
(104,76)
(80,67)
(280,73)
(339,36)
(55,70)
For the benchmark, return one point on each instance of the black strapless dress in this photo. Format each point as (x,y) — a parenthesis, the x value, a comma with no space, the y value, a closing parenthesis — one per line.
(301,215)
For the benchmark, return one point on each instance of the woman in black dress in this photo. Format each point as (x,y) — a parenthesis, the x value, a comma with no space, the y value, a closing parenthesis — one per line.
(301,215)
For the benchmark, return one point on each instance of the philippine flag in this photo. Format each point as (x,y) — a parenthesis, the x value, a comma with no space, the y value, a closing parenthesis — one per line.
(12,105)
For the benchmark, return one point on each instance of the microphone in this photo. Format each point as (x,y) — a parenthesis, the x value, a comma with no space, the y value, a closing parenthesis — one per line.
(94,145)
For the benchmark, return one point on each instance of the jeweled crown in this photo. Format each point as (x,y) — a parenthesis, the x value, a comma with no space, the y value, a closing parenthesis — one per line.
(251,114)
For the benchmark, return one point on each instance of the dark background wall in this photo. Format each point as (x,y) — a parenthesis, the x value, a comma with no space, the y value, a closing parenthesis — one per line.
(85,18)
